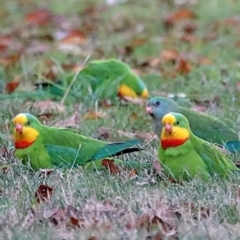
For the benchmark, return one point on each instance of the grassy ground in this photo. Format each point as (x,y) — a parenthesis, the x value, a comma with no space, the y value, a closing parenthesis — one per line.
(99,205)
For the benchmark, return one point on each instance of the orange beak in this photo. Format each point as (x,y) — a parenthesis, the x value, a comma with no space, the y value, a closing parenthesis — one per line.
(149,109)
(168,128)
(19,127)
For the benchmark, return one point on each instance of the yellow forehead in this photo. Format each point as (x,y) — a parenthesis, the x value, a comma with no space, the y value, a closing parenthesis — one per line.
(169,118)
(20,118)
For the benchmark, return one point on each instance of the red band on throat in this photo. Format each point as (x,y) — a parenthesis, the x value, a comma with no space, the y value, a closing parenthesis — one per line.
(167,143)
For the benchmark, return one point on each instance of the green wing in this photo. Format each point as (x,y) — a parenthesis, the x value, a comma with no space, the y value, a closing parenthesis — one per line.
(109,74)
(69,156)
(216,161)
(88,148)
(209,128)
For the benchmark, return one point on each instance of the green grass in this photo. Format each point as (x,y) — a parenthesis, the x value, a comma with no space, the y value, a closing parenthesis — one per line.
(123,206)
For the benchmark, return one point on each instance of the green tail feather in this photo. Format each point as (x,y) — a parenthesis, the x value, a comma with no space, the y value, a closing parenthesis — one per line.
(115,149)
(233,146)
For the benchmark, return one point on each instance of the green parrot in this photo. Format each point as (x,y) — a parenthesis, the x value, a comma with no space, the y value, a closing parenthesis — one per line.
(49,147)
(110,78)
(204,126)
(100,79)
(184,156)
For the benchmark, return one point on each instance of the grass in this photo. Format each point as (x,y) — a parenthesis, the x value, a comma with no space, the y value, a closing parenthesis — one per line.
(107,206)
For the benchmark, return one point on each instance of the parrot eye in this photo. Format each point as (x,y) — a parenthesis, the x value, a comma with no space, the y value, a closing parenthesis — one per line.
(177,122)
(28,123)
(158,103)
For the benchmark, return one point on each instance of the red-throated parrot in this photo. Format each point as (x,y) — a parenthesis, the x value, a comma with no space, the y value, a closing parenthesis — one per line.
(48,147)
(184,156)
(202,125)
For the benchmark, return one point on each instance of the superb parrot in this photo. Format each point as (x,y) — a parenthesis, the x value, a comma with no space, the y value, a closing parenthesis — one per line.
(111,77)
(49,147)
(202,125)
(184,156)
(100,79)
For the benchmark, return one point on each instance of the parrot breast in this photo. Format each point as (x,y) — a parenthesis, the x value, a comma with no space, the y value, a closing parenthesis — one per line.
(167,143)
(23,144)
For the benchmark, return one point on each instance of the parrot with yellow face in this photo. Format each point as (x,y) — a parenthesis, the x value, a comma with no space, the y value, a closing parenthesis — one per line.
(49,147)
(184,156)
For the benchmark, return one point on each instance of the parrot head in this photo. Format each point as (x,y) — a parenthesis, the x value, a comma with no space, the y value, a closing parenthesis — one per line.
(132,86)
(157,107)
(25,130)
(175,130)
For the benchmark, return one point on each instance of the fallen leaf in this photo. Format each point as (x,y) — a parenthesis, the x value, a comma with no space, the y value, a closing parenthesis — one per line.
(39,17)
(75,37)
(183,66)
(11,86)
(103,134)
(72,121)
(132,173)
(10,59)
(55,215)
(43,193)
(179,15)
(46,107)
(145,136)
(205,61)
(126,134)
(94,115)
(189,38)
(5,42)
(156,166)
(109,164)
(74,216)
(169,55)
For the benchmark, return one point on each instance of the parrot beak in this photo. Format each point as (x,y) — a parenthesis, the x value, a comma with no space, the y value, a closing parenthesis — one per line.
(149,110)
(19,127)
(168,128)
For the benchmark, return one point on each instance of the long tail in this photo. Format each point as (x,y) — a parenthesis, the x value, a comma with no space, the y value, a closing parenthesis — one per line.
(116,149)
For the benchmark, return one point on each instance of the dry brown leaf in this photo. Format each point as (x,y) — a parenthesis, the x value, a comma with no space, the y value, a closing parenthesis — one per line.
(72,121)
(11,86)
(43,193)
(75,37)
(94,115)
(46,107)
(230,22)
(39,17)
(111,166)
(205,61)
(10,60)
(145,136)
(126,134)
(169,55)
(189,38)
(156,166)
(103,134)
(5,42)
(183,66)
(176,17)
